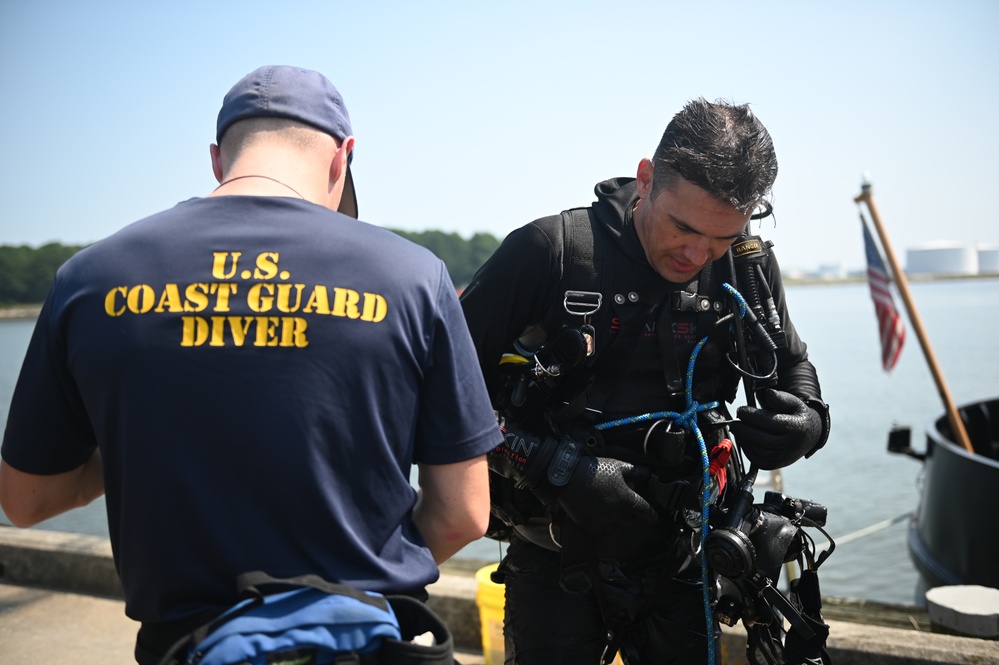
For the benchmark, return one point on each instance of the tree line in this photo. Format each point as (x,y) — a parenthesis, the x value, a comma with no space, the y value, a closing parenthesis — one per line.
(26,273)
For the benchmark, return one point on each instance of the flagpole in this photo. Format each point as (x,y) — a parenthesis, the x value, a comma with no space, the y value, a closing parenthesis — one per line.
(953,417)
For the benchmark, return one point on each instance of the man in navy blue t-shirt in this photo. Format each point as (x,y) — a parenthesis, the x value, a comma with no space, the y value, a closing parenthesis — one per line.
(250,376)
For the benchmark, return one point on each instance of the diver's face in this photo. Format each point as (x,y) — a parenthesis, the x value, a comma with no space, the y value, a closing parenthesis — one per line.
(683,228)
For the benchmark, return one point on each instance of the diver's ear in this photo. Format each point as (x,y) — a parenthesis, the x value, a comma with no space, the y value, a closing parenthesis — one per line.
(644,178)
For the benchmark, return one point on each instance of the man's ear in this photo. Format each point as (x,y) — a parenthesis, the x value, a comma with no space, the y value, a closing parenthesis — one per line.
(216,162)
(338,167)
(644,178)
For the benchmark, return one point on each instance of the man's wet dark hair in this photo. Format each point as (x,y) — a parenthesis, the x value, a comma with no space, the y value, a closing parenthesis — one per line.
(720,147)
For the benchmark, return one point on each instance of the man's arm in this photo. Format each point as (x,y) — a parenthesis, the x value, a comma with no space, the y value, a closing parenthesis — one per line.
(512,290)
(793,421)
(29,498)
(453,505)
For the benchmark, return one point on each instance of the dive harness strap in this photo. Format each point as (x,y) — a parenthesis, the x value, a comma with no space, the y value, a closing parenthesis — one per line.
(807,644)
(581,573)
(585,271)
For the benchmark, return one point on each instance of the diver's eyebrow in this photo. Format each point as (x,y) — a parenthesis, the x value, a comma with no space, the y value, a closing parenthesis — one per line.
(686,228)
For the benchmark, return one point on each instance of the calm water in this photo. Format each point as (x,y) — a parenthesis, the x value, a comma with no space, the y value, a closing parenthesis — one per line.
(854,476)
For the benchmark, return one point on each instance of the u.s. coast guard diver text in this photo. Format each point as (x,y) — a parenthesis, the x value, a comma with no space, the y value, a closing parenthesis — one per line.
(277,304)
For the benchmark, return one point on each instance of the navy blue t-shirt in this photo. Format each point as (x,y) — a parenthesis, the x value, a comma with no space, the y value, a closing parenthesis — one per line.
(260,375)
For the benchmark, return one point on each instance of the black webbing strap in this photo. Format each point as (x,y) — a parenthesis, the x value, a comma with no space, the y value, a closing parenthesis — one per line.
(582,268)
(585,268)
(580,271)
(807,645)
(249,584)
(581,573)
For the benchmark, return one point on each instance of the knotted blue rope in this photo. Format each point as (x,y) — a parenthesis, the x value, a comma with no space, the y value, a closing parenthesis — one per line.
(688,418)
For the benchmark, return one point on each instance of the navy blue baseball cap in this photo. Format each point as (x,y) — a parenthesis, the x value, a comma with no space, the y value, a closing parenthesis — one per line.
(297,94)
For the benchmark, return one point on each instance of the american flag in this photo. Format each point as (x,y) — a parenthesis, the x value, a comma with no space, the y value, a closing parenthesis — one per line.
(890,324)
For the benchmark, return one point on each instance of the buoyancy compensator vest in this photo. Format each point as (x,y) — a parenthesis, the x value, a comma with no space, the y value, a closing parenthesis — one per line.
(625,320)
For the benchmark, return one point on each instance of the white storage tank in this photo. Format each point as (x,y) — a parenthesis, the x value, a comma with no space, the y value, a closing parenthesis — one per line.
(988,258)
(942,257)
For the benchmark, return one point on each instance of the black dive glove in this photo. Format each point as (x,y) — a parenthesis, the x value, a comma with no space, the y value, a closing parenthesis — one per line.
(594,492)
(601,494)
(780,432)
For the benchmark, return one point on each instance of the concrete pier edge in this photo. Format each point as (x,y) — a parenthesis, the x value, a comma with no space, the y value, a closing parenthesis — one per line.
(83,564)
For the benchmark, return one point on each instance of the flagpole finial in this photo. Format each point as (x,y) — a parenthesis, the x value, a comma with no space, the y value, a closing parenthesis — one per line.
(865,189)
(865,182)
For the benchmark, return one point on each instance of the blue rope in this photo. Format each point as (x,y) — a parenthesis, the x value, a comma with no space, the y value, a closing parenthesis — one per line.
(688,418)
(743,305)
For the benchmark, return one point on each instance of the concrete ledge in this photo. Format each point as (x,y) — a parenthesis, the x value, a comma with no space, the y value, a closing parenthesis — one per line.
(59,561)
(857,644)
(452,597)
(83,564)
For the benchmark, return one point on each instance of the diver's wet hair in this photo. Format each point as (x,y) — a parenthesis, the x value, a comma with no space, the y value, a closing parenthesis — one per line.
(722,148)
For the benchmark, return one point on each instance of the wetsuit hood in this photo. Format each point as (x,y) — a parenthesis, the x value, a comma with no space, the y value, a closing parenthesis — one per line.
(613,208)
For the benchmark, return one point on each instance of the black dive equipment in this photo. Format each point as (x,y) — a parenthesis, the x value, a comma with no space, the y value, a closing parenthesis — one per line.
(566,351)
(747,543)
(746,548)
(756,351)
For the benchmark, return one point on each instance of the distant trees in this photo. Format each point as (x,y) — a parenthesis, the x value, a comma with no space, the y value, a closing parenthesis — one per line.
(26,273)
(462,257)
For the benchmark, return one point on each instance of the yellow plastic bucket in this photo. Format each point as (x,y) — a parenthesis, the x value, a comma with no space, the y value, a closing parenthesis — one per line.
(489,598)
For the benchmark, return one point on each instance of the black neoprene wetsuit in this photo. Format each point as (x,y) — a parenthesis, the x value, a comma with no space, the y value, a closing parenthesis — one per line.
(522,286)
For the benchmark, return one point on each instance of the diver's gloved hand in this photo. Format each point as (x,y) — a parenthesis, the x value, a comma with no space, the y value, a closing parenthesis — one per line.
(601,494)
(595,492)
(780,432)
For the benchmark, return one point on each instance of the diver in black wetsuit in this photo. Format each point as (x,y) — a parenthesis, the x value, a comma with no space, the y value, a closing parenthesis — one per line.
(586,321)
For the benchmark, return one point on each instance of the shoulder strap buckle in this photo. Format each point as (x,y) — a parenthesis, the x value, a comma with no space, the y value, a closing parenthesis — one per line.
(582,303)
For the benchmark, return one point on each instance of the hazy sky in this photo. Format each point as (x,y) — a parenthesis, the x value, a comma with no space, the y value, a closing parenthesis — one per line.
(483,116)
